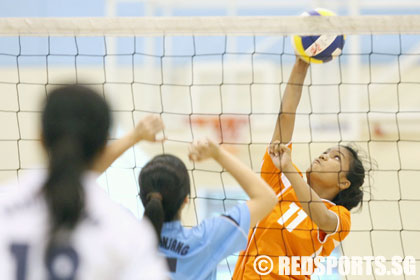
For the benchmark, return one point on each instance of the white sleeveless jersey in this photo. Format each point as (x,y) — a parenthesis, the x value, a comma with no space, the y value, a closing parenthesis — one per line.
(108,244)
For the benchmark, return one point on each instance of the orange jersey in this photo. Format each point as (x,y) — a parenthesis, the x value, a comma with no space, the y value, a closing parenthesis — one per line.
(287,230)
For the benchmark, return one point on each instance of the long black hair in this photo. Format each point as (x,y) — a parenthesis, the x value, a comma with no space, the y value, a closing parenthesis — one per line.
(353,195)
(75,125)
(164,185)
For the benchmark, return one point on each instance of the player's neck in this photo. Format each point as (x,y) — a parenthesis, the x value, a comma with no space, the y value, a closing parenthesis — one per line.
(323,192)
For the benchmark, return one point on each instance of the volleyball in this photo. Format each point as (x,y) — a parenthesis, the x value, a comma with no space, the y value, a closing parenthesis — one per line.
(318,48)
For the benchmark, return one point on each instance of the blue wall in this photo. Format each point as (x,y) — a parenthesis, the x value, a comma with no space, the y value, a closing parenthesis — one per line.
(386,48)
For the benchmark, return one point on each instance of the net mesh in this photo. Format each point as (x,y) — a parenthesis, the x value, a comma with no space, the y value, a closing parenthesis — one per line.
(229,88)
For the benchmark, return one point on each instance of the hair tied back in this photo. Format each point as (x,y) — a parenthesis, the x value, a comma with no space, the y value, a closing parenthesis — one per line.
(154,195)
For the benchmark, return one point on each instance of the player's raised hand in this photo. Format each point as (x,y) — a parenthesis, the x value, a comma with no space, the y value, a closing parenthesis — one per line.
(204,149)
(273,148)
(281,156)
(147,129)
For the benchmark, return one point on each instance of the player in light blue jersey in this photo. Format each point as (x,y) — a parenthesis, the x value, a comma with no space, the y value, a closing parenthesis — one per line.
(193,253)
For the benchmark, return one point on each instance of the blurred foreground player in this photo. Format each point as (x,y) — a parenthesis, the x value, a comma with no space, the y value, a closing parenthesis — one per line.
(59,224)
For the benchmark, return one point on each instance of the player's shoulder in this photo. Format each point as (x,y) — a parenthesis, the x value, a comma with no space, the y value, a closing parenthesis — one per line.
(6,191)
(331,205)
(115,219)
(267,164)
(102,207)
(338,209)
(234,217)
(205,229)
(22,190)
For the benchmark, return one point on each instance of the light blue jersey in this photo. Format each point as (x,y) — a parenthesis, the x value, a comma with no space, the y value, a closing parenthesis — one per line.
(193,253)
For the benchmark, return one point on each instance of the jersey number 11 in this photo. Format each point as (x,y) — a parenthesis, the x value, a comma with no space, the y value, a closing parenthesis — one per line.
(293,208)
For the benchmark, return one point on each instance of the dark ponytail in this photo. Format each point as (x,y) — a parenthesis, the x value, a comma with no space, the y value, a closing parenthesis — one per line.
(63,189)
(353,195)
(75,124)
(164,185)
(154,210)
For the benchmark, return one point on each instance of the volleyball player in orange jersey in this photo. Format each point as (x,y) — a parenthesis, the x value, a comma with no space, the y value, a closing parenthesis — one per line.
(312,217)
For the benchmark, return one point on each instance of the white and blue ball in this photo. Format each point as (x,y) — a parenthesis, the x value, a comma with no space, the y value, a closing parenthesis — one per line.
(318,48)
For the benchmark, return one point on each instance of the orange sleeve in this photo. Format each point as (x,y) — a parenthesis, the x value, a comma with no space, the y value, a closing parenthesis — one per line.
(271,174)
(344,222)
(330,241)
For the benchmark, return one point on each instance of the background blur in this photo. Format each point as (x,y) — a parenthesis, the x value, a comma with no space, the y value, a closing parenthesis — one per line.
(229,88)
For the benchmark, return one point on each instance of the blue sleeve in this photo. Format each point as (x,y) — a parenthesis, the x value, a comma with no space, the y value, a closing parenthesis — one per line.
(228,233)
(240,216)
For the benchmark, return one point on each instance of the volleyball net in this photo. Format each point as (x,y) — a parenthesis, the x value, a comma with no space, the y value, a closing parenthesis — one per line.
(223,78)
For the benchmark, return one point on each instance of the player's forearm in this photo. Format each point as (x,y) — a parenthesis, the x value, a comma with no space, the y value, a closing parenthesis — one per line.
(293,92)
(253,185)
(262,197)
(312,203)
(113,151)
(291,98)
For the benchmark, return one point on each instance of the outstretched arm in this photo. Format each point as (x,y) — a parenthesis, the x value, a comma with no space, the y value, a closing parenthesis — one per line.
(146,129)
(309,199)
(262,197)
(286,120)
